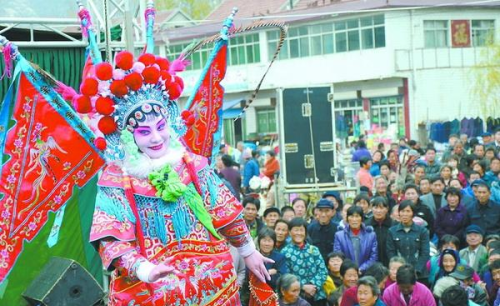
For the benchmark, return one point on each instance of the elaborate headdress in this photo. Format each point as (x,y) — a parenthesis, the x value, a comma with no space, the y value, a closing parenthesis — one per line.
(120,97)
(115,98)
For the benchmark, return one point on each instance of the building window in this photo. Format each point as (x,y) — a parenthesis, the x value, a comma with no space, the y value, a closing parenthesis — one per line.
(436,33)
(340,36)
(242,50)
(198,59)
(388,111)
(482,32)
(266,121)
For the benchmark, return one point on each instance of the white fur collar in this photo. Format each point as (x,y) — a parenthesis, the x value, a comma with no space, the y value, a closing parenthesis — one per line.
(145,165)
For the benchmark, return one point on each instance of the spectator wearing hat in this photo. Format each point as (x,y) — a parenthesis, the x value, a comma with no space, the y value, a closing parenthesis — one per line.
(381,222)
(475,251)
(487,140)
(364,177)
(271,215)
(473,177)
(484,212)
(338,203)
(448,262)
(357,241)
(452,218)
(464,274)
(322,230)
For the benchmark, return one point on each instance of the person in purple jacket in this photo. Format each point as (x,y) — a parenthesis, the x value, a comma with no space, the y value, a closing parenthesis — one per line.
(407,291)
(357,241)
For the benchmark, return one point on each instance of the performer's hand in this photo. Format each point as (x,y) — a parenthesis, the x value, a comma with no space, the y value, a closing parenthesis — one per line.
(161,270)
(255,263)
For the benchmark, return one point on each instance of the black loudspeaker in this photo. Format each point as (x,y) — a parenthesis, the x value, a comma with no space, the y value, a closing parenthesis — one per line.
(298,106)
(63,282)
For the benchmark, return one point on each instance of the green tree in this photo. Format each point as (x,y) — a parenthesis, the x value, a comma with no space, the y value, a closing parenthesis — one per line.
(196,9)
(486,80)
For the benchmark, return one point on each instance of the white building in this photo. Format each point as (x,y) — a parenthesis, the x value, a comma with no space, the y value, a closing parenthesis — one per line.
(391,63)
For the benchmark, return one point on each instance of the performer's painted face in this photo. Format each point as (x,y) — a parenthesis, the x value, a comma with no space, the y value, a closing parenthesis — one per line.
(152,137)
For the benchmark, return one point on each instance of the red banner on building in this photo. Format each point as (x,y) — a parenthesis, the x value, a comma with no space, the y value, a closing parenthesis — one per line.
(460,33)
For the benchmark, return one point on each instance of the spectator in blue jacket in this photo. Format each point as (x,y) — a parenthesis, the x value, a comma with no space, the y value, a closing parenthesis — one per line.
(484,212)
(361,152)
(357,241)
(251,169)
(267,243)
(409,240)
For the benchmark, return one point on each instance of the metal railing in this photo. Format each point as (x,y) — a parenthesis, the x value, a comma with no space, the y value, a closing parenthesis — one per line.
(126,13)
(433,58)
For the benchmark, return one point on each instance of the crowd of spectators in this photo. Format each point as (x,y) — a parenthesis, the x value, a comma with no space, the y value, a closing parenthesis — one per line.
(423,230)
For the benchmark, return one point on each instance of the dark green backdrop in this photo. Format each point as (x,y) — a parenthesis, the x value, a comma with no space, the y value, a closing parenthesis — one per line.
(65,65)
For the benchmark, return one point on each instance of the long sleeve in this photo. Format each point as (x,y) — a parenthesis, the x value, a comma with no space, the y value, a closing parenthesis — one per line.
(239,266)
(336,244)
(281,268)
(390,246)
(318,268)
(373,254)
(130,260)
(438,228)
(424,251)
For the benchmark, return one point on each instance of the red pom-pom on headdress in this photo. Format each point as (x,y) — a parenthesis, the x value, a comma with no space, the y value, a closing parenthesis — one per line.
(104,71)
(163,63)
(100,143)
(174,91)
(124,60)
(89,87)
(119,88)
(147,59)
(151,75)
(179,81)
(104,105)
(166,76)
(133,81)
(107,125)
(82,104)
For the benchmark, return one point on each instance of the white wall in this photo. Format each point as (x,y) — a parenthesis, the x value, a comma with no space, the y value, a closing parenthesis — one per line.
(440,80)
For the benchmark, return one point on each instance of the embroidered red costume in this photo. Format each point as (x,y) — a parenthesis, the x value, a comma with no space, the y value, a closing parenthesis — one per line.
(206,271)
